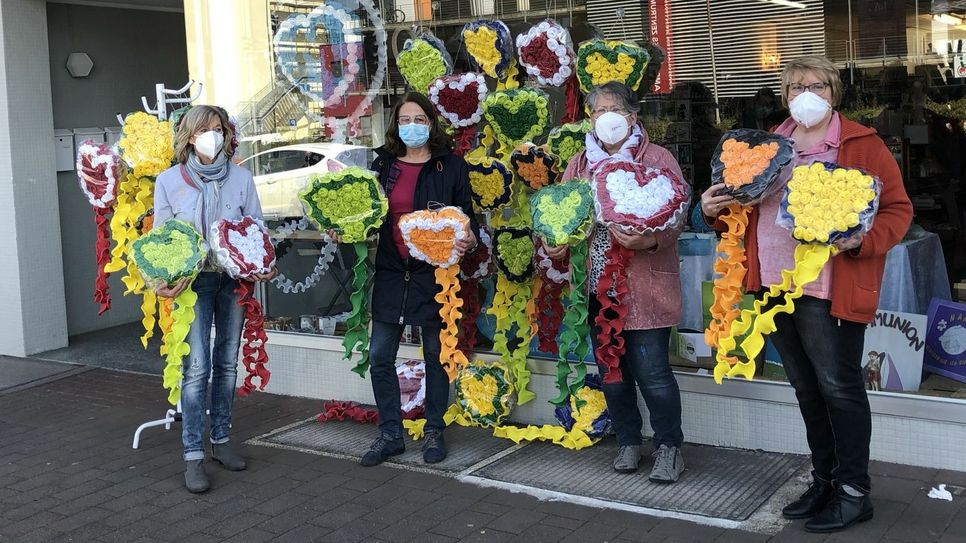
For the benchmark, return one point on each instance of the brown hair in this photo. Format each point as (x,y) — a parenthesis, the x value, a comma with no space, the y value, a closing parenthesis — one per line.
(438,139)
(195,119)
(821,66)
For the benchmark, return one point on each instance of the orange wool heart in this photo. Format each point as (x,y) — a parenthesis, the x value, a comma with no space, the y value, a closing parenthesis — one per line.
(431,234)
(438,246)
(742,163)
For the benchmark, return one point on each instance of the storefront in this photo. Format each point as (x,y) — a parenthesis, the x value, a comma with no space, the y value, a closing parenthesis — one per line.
(313,77)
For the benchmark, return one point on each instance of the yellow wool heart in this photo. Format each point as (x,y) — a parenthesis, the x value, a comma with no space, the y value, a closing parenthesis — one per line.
(481,44)
(489,186)
(602,70)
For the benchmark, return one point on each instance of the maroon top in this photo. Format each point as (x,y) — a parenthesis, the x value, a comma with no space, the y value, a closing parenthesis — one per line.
(401,201)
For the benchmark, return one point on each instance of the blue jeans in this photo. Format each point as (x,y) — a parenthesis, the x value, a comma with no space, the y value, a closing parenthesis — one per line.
(217,302)
(822,357)
(645,366)
(383,346)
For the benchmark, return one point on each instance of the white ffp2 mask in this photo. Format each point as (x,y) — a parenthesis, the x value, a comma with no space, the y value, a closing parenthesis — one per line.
(808,109)
(611,128)
(209,143)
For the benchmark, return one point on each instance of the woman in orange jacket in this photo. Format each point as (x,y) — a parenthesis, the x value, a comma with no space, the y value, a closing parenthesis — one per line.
(821,342)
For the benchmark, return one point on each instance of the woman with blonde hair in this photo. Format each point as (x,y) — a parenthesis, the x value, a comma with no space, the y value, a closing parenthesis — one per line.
(202,188)
(821,342)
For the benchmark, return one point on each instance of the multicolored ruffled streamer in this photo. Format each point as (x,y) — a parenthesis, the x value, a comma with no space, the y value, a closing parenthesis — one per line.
(357,332)
(102,252)
(809,261)
(451,357)
(341,410)
(254,356)
(729,272)
(613,311)
(576,328)
(470,290)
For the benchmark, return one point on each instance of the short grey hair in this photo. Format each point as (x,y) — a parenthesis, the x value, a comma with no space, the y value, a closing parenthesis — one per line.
(621,92)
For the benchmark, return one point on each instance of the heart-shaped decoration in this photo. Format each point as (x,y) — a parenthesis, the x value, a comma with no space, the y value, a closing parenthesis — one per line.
(491,182)
(431,235)
(563,214)
(321,52)
(639,199)
(349,201)
(513,250)
(422,60)
(169,253)
(600,61)
(592,418)
(546,52)
(823,202)
(490,46)
(98,172)
(568,140)
(517,115)
(146,144)
(485,393)
(749,162)
(459,98)
(242,247)
(535,166)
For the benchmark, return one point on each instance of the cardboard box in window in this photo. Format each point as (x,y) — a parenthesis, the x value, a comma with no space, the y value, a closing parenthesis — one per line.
(689,349)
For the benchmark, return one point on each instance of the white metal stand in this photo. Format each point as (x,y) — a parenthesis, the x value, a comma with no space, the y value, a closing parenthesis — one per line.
(164,98)
(171,415)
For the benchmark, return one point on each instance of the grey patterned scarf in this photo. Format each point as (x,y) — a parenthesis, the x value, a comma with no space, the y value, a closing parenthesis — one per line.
(209,178)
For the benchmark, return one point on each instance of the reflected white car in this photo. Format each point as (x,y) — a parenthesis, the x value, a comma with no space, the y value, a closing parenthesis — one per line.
(280,173)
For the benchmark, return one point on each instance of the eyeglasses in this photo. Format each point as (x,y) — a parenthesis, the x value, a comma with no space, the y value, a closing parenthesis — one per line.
(201,131)
(600,111)
(418,119)
(817,88)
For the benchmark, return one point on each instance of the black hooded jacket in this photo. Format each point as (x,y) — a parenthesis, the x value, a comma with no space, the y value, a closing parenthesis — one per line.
(403,290)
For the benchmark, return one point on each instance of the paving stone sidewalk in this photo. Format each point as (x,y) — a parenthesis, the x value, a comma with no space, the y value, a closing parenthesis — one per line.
(68,473)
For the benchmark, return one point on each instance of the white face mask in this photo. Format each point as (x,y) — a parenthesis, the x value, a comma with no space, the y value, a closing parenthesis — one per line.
(808,109)
(209,143)
(611,128)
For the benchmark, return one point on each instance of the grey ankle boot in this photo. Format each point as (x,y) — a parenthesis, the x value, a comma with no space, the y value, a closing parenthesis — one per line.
(195,476)
(222,453)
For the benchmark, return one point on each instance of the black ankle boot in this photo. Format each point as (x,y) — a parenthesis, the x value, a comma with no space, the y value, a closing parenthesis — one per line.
(842,511)
(811,502)
(383,448)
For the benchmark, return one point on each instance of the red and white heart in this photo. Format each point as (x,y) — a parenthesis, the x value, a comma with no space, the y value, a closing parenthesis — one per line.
(639,198)
(459,98)
(546,53)
(242,247)
(98,172)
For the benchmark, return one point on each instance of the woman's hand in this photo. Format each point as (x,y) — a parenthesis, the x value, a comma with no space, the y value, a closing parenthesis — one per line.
(466,244)
(849,243)
(712,203)
(173,291)
(266,276)
(334,235)
(555,253)
(634,242)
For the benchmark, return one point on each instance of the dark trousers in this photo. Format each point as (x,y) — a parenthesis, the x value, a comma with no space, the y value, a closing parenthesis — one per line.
(822,356)
(383,346)
(647,367)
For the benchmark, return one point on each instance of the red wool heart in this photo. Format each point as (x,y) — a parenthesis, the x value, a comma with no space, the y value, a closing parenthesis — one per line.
(536,53)
(463,103)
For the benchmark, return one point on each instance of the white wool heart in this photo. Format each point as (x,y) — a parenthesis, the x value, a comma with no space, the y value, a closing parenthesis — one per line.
(630,198)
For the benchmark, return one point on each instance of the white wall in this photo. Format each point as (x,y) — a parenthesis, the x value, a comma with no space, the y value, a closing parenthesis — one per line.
(32,309)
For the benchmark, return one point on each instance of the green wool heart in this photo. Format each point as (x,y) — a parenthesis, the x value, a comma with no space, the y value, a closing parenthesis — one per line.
(517,115)
(562,213)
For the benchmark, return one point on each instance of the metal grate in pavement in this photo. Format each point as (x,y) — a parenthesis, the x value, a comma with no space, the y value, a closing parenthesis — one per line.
(466,446)
(720,483)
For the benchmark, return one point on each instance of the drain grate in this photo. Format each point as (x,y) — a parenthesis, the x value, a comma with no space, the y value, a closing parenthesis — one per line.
(720,483)
(466,446)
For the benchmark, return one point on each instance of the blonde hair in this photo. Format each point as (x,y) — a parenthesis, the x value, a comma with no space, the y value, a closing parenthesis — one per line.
(195,119)
(821,66)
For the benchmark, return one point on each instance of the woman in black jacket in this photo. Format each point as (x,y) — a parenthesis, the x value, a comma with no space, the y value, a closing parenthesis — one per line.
(417,169)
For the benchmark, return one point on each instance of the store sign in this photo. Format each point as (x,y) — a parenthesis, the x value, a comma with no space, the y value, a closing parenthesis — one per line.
(659,24)
(893,352)
(946,339)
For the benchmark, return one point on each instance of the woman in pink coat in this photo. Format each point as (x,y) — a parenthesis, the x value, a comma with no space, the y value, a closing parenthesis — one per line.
(654,300)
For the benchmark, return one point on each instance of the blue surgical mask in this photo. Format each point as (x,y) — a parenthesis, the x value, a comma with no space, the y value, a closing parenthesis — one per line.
(413,134)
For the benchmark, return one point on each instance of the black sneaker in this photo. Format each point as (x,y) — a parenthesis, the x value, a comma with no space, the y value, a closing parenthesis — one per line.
(434,448)
(381,449)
